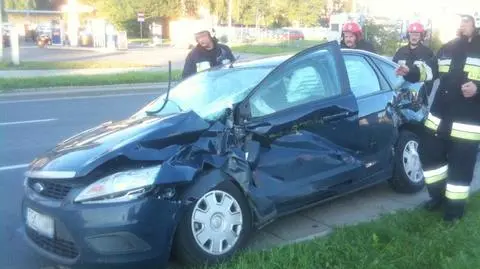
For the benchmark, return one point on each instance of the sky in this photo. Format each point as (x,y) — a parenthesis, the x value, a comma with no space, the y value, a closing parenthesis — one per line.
(428,7)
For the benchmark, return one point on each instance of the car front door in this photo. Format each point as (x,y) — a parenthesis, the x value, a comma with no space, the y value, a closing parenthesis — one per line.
(305,117)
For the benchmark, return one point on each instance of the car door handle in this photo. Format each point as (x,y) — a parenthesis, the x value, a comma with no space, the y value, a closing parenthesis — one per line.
(337,116)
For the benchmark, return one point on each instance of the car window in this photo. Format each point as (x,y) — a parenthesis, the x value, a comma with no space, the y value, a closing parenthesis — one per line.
(308,78)
(389,71)
(362,77)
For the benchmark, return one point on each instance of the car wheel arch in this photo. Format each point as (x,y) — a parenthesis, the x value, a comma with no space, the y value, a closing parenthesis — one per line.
(414,128)
(208,178)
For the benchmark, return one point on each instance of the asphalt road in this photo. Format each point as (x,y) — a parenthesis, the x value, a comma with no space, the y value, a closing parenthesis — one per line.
(32,125)
(151,56)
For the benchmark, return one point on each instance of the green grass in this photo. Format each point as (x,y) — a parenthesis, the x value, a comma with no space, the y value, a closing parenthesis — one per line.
(276,48)
(139,40)
(9,84)
(408,239)
(67,65)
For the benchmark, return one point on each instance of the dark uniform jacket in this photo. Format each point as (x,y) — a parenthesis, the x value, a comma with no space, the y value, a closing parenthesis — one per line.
(200,59)
(409,57)
(406,55)
(455,64)
(361,45)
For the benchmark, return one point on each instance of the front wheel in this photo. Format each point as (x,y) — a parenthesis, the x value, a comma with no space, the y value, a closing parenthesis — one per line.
(214,227)
(408,175)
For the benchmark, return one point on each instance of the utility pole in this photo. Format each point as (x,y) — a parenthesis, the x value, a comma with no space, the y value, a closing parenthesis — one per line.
(1,30)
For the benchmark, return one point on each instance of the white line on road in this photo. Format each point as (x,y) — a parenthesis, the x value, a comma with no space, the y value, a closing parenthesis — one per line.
(25,122)
(12,167)
(77,97)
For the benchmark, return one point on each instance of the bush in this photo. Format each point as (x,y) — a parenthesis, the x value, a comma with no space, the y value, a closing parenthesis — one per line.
(133,28)
(385,39)
(435,42)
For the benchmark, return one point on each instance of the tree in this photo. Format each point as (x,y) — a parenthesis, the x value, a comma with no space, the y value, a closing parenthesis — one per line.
(306,13)
(20,4)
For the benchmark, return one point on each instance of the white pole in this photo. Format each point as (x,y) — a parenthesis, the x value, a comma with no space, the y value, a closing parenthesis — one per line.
(73,22)
(229,15)
(15,45)
(1,30)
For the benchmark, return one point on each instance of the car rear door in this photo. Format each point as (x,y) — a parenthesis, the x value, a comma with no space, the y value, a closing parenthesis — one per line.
(306,119)
(377,127)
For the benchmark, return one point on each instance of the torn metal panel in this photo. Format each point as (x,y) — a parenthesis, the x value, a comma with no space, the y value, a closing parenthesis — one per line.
(144,139)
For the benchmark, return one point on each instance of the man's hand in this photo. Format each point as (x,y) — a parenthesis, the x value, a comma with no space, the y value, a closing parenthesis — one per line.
(402,70)
(469,89)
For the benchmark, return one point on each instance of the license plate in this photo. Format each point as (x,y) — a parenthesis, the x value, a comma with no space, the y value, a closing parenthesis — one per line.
(41,223)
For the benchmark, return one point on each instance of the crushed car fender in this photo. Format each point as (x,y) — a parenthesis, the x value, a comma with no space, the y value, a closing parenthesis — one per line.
(214,158)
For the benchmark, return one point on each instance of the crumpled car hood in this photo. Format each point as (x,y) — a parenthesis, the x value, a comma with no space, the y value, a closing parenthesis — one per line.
(143,139)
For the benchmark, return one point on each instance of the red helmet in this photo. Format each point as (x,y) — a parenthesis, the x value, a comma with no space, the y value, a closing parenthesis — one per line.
(352,27)
(416,27)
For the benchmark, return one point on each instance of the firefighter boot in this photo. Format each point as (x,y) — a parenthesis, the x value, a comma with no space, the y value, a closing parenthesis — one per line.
(454,211)
(434,204)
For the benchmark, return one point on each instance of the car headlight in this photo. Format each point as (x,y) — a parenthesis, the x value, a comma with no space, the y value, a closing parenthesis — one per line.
(119,187)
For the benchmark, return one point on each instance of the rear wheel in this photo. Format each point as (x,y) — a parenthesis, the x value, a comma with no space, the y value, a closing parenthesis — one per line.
(408,176)
(214,227)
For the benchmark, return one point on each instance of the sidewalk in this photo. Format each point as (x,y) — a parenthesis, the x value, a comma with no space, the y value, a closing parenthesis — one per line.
(163,67)
(69,72)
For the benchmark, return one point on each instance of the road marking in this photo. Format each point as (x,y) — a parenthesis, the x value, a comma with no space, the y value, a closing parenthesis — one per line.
(12,167)
(25,122)
(77,98)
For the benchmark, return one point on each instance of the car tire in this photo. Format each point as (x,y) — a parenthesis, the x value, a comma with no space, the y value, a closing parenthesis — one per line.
(187,246)
(407,176)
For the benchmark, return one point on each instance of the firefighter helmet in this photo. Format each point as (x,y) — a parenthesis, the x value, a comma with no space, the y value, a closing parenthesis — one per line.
(416,27)
(352,27)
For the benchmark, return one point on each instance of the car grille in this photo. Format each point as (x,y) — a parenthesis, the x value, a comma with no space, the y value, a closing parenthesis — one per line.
(64,248)
(57,190)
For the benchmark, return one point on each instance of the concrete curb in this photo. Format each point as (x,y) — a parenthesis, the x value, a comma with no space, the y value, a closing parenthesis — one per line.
(39,73)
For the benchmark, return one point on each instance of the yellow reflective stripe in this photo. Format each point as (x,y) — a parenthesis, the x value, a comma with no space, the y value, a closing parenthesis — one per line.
(444,66)
(472,67)
(432,122)
(474,75)
(435,175)
(466,131)
(456,195)
(430,125)
(473,72)
(425,70)
(457,192)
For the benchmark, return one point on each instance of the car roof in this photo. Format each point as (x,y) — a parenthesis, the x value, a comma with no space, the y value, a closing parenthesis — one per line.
(274,61)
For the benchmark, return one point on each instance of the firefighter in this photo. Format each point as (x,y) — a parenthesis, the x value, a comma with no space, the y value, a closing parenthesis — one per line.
(352,38)
(448,148)
(415,50)
(414,53)
(208,53)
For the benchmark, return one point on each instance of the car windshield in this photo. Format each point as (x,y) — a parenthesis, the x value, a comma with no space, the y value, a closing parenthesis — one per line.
(209,93)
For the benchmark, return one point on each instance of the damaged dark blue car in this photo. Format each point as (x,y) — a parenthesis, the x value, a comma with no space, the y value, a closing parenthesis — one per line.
(225,152)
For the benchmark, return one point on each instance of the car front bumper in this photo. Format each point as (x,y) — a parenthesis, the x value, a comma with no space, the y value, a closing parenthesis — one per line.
(119,235)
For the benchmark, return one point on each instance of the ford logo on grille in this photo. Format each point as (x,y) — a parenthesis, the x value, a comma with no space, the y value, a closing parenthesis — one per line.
(38,187)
